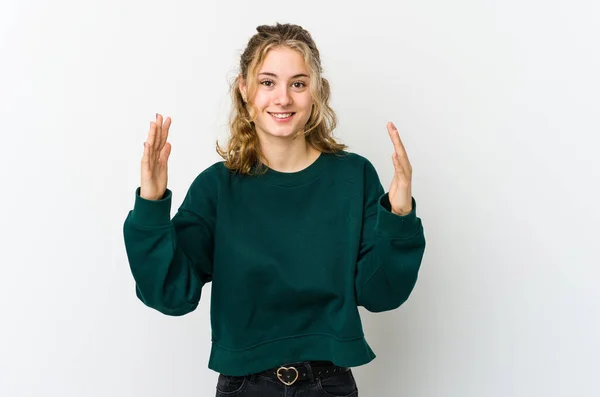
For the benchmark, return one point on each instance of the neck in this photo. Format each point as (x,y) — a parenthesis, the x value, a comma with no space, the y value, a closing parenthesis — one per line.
(289,155)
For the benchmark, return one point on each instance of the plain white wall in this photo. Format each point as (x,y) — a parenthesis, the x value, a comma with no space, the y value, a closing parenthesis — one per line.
(496,101)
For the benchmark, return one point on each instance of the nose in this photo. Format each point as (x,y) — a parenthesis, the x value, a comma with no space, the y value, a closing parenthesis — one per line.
(283,97)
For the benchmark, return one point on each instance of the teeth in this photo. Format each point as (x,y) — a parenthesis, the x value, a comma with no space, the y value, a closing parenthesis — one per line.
(281,116)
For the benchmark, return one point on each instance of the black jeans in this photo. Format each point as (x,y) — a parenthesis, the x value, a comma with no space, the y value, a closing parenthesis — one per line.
(255,385)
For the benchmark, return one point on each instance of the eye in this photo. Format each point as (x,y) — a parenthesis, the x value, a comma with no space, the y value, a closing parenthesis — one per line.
(267,83)
(299,84)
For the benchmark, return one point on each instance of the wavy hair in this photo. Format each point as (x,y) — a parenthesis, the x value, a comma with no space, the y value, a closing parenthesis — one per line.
(242,153)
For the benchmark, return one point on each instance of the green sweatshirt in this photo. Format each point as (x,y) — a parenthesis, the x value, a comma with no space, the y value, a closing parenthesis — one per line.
(291,257)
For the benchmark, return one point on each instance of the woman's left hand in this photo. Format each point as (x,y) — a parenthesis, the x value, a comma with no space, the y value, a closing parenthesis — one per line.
(400,193)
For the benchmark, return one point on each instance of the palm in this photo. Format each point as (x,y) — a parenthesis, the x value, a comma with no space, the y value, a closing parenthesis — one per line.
(155,160)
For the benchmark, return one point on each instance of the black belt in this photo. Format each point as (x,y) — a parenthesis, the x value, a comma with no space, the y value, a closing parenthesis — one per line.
(290,373)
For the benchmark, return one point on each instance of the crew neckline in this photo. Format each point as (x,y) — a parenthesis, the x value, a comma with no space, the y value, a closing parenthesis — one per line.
(296,178)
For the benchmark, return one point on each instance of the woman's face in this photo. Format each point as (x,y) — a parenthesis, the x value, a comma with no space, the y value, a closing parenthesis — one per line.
(283,102)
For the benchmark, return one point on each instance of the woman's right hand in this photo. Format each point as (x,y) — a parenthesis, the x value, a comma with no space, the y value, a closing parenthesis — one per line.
(154,161)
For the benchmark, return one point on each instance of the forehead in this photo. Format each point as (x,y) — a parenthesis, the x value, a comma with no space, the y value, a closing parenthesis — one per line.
(284,62)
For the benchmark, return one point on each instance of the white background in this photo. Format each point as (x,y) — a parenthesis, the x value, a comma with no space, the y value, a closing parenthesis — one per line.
(497,103)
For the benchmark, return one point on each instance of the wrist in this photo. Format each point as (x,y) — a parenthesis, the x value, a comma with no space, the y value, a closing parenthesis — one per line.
(402,211)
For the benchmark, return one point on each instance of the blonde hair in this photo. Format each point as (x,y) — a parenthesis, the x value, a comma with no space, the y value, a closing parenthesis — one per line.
(243,153)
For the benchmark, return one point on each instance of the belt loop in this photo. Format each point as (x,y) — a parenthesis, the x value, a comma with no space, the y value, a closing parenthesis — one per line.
(309,371)
(253,378)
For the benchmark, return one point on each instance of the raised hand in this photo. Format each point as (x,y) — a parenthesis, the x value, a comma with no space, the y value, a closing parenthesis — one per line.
(400,193)
(154,162)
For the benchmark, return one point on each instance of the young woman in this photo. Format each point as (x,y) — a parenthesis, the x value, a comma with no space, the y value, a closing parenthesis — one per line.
(293,231)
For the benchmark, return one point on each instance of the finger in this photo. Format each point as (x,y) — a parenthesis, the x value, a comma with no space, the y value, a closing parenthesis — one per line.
(404,166)
(158,136)
(145,155)
(399,146)
(151,138)
(165,153)
(395,137)
(400,172)
(165,132)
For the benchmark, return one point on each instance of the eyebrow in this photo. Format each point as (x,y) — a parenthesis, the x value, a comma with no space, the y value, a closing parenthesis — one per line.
(294,76)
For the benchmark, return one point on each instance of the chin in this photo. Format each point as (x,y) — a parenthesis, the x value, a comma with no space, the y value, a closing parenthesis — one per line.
(279,131)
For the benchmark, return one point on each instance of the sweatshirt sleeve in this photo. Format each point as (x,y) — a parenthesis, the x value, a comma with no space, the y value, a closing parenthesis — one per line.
(391,250)
(172,259)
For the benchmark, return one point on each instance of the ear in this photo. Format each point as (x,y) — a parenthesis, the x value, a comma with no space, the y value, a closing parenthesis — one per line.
(242,87)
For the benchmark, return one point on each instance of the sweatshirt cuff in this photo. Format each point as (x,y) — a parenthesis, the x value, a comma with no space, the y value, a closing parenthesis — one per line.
(390,225)
(152,212)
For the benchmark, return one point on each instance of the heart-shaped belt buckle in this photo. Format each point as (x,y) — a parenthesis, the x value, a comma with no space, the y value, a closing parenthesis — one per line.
(280,376)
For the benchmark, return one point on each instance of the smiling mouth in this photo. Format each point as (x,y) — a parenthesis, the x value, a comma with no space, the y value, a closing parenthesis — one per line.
(282,116)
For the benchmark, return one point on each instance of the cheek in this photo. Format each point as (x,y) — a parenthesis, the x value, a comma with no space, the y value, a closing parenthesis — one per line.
(261,100)
(304,101)
(306,105)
